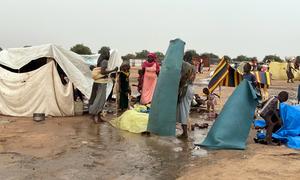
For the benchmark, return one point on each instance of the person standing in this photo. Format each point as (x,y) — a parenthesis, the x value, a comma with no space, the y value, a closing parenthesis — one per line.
(249,76)
(150,73)
(124,87)
(100,75)
(185,94)
(289,72)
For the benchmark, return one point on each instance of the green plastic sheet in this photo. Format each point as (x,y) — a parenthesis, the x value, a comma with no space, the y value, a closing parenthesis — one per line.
(231,128)
(162,117)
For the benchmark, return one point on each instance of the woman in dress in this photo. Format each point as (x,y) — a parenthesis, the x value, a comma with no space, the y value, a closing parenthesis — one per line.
(150,70)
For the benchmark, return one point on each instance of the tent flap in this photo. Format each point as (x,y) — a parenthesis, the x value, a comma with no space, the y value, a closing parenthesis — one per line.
(72,64)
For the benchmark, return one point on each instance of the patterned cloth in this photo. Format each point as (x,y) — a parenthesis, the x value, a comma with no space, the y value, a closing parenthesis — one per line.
(270,107)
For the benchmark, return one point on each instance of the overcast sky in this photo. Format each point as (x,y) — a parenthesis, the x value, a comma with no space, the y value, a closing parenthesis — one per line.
(231,27)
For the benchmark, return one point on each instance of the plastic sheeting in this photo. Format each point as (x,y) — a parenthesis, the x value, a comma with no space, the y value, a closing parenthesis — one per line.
(38,91)
(231,128)
(290,130)
(114,61)
(72,64)
(162,118)
(131,121)
(278,71)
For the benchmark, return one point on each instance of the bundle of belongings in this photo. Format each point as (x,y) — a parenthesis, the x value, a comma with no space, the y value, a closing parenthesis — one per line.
(134,120)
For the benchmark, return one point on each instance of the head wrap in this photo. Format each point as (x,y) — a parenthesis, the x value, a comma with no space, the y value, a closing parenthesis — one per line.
(152,55)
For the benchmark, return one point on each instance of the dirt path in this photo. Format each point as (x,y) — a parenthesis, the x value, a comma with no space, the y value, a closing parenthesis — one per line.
(75,148)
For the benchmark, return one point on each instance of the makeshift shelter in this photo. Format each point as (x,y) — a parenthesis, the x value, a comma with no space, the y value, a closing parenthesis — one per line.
(278,71)
(225,75)
(40,89)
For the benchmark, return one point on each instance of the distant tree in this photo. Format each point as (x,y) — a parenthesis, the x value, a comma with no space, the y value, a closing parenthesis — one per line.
(26,46)
(128,57)
(160,56)
(0,49)
(210,55)
(142,55)
(270,58)
(242,58)
(193,52)
(227,58)
(81,49)
(213,58)
(104,49)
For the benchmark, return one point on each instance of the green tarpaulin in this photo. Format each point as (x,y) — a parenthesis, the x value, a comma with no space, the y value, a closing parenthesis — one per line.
(231,128)
(162,118)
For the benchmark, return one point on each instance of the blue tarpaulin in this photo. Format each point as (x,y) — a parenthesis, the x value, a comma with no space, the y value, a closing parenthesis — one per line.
(289,133)
(231,128)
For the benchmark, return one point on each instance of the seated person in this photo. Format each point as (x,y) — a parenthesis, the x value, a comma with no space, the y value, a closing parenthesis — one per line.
(270,113)
(211,99)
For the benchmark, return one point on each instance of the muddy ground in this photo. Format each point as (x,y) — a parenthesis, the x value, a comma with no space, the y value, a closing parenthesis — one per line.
(76,148)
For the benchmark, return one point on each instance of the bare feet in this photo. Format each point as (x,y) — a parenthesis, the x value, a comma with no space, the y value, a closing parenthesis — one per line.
(96,119)
(183,136)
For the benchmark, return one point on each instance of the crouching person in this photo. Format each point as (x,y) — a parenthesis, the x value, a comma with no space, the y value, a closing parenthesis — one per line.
(270,113)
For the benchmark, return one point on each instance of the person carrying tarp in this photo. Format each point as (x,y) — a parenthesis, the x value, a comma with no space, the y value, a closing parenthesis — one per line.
(185,94)
(270,113)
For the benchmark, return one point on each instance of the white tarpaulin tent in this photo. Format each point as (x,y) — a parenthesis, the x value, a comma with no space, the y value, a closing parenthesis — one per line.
(41,91)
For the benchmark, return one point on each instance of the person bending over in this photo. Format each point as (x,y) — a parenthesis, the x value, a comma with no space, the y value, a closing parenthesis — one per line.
(270,113)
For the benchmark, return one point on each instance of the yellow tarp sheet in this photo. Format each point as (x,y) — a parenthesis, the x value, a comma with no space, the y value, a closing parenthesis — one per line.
(278,71)
(132,121)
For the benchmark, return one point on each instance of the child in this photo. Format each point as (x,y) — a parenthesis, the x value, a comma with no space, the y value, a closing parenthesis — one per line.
(139,85)
(270,113)
(124,88)
(211,99)
(249,76)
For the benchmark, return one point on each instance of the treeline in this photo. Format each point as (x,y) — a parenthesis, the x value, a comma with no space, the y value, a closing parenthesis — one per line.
(85,50)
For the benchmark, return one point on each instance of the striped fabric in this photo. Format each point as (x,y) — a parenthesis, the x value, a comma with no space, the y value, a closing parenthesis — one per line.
(220,73)
(263,77)
(233,78)
(225,75)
